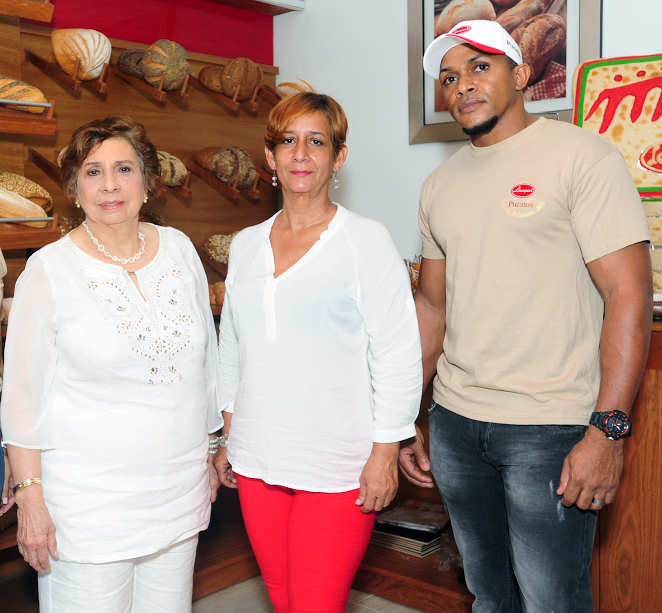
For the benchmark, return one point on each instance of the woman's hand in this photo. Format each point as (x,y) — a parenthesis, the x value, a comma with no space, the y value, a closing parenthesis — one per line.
(36,531)
(379,479)
(7,487)
(214,482)
(224,468)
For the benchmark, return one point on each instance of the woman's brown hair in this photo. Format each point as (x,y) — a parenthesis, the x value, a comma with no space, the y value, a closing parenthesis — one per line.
(286,111)
(88,137)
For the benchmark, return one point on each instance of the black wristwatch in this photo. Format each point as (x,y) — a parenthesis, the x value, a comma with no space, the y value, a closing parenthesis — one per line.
(615,425)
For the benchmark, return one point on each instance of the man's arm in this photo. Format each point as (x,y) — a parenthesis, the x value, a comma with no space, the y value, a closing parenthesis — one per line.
(430,299)
(593,468)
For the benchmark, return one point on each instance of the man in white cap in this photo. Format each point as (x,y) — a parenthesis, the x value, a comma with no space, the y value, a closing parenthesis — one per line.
(531,233)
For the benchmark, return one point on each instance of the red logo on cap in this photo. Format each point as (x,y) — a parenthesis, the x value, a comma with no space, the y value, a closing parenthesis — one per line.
(523,190)
(461,30)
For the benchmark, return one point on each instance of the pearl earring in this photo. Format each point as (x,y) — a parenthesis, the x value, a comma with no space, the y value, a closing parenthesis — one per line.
(274,179)
(145,199)
(77,204)
(335,180)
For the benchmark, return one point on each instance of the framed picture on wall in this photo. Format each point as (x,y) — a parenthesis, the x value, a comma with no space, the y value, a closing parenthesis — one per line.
(575,33)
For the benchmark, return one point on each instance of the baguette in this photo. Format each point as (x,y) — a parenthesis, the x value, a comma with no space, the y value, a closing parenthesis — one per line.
(12,205)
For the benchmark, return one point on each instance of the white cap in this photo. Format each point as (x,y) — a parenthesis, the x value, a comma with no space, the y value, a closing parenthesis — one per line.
(483,34)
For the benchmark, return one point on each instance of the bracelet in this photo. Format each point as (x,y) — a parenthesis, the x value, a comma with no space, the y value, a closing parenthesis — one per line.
(25,483)
(214,444)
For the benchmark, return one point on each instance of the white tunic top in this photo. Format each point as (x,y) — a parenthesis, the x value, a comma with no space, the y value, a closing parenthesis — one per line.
(321,361)
(119,392)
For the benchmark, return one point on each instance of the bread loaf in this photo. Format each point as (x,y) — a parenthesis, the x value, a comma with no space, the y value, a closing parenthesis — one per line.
(205,157)
(225,165)
(13,89)
(295,86)
(522,11)
(540,38)
(175,171)
(246,169)
(462,10)
(92,48)
(130,62)
(504,4)
(169,58)
(26,188)
(217,247)
(211,78)
(244,74)
(12,205)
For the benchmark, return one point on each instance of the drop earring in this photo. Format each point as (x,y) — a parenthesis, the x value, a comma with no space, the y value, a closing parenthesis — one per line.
(336,182)
(274,179)
(77,204)
(145,199)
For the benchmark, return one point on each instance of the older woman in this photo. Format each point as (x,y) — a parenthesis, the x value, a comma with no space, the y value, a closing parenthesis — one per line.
(321,357)
(112,384)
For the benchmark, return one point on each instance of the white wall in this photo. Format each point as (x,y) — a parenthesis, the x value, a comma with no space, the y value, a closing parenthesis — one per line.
(356,51)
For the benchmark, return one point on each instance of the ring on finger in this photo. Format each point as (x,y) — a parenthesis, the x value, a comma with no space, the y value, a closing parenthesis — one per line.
(597,503)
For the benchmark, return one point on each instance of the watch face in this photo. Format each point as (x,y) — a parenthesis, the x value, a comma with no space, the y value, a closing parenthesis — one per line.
(617,425)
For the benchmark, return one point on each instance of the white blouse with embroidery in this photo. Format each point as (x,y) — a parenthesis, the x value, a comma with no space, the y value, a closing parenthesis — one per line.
(321,361)
(119,393)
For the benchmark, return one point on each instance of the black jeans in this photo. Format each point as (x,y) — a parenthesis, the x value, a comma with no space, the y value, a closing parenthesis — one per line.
(522,549)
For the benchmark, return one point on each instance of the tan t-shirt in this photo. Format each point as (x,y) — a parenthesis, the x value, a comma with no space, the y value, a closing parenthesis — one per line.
(517,223)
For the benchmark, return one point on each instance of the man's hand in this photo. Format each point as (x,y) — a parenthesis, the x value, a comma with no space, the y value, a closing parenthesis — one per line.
(413,460)
(224,469)
(379,479)
(591,470)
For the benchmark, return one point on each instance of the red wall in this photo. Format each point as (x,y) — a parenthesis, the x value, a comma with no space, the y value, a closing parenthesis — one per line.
(199,26)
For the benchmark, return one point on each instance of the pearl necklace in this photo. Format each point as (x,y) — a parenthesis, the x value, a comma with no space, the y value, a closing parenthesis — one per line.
(114,258)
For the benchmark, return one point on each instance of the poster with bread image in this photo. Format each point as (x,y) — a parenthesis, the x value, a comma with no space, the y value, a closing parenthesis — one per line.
(547,32)
(621,99)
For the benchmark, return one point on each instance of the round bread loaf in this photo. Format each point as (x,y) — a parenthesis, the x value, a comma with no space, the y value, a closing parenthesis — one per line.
(540,38)
(217,247)
(226,165)
(295,86)
(205,157)
(504,4)
(175,171)
(26,188)
(462,10)
(246,169)
(244,74)
(211,78)
(169,58)
(130,62)
(522,11)
(13,89)
(92,48)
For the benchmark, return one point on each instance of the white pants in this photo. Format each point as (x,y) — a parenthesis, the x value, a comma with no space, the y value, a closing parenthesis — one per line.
(158,583)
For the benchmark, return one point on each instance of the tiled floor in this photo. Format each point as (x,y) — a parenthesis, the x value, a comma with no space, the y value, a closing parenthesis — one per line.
(251,597)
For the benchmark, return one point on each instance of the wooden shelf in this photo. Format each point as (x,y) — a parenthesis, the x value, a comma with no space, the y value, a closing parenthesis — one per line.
(233,105)
(15,236)
(269,94)
(212,179)
(266,8)
(50,170)
(52,69)
(156,93)
(28,9)
(413,582)
(215,265)
(22,122)
(182,190)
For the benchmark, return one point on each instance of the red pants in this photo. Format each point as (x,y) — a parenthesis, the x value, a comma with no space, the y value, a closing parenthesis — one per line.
(309,545)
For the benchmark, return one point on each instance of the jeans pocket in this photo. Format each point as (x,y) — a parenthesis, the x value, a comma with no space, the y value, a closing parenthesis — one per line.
(433,408)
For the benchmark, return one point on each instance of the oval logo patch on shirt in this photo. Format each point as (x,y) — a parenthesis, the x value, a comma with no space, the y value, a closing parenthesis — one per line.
(523,190)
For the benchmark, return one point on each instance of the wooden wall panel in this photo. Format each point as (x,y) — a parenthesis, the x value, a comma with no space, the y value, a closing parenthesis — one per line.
(173,127)
(631,527)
